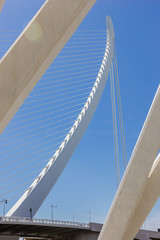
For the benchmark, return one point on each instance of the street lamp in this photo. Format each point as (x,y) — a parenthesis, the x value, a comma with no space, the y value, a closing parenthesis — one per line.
(73,216)
(31,213)
(90,216)
(52,206)
(5,202)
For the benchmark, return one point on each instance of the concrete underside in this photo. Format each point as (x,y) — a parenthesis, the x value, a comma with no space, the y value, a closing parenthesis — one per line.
(83,235)
(44,231)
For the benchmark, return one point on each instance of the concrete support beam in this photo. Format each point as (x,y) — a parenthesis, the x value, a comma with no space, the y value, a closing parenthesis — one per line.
(150,196)
(35,49)
(132,187)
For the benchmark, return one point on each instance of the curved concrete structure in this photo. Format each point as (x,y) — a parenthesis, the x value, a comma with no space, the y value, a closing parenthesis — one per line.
(38,191)
(35,49)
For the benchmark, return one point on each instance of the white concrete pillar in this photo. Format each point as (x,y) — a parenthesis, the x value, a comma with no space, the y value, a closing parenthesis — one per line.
(35,49)
(132,187)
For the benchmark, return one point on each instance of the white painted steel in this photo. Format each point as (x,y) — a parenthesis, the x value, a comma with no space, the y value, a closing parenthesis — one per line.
(42,185)
(135,185)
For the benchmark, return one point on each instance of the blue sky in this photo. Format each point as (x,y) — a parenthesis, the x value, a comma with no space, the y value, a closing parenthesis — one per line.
(88,182)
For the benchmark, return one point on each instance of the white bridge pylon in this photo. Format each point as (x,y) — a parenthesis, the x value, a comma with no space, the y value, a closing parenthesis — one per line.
(34,196)
(139,189)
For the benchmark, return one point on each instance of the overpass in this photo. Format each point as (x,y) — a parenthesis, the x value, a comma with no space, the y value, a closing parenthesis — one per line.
(15,227)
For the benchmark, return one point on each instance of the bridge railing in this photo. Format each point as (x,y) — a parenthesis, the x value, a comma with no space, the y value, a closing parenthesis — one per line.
(45,221)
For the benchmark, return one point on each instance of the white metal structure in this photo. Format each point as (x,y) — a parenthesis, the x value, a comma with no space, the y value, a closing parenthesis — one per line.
(139,188)
(34,196)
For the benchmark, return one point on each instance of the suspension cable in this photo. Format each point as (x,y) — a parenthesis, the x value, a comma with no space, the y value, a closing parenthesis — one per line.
(32,124)
(52,107)
(114,126)
(34,141)
(120,110)
(48,113)
(39,129)
(51,102)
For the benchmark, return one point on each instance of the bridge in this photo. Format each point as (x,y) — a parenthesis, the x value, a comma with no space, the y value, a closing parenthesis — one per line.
(64,230)
(23,70)
(43,228)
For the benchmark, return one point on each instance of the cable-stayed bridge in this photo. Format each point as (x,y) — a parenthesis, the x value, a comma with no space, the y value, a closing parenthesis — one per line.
(64,101)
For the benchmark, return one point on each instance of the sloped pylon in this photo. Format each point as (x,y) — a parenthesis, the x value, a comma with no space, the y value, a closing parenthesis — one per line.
(35,49)
(139,188)
(34,196)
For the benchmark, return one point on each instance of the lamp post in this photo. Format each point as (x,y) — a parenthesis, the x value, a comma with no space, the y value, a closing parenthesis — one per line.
(90,216)
(52,206)
(31,213)
(4,211)
(73,216)
(5,202)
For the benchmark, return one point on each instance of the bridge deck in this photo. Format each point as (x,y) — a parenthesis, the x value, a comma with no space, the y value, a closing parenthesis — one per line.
(45,228)
(40,227)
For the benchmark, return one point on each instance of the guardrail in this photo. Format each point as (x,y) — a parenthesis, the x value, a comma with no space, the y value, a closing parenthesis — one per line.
(44,221)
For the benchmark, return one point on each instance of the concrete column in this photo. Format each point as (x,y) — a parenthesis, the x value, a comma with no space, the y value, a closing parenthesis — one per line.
(132,187)
(150,196)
